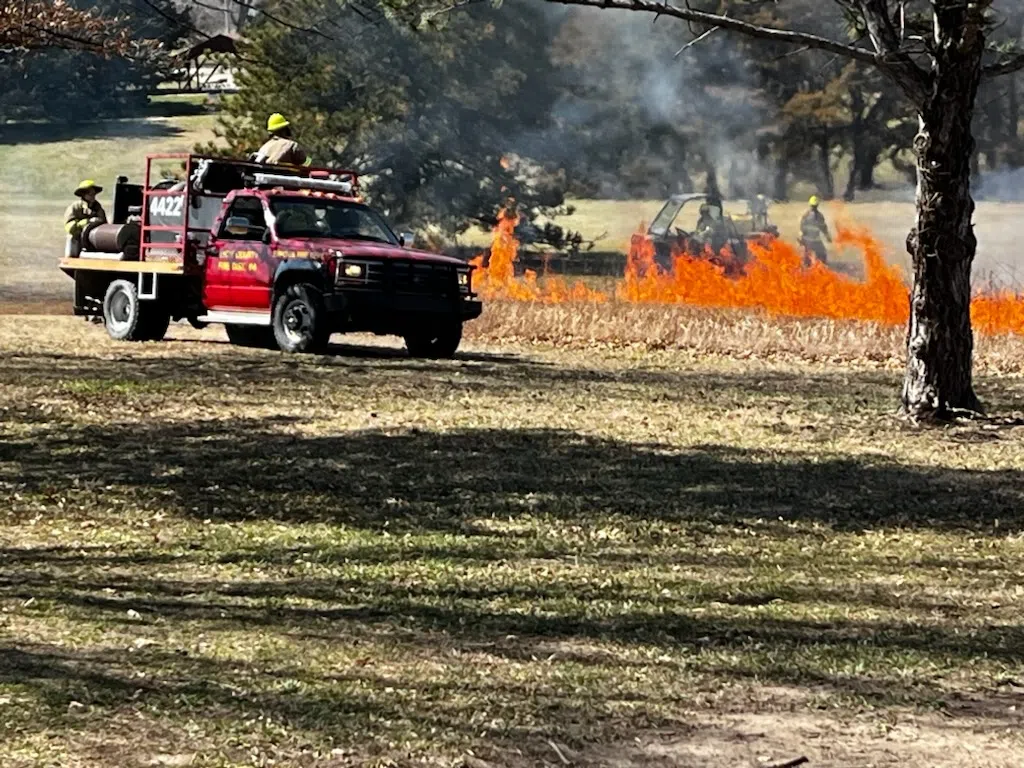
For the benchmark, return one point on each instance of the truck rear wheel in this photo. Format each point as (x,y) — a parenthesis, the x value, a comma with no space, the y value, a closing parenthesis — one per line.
(300,320)
(255,336)
(438,340)
(129,319)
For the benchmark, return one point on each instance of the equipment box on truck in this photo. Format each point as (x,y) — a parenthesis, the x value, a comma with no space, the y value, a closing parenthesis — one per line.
(282,257)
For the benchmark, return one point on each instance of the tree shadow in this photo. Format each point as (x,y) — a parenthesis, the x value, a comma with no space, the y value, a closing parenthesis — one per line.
(412,485)
(421,481)
(41,132)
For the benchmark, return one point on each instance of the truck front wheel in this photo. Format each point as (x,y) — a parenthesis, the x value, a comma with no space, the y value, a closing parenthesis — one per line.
(433,341)
(300,320)
(154,323)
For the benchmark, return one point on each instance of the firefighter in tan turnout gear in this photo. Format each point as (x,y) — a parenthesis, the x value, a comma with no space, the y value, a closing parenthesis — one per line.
(281,148)
(813,233)
(81,215)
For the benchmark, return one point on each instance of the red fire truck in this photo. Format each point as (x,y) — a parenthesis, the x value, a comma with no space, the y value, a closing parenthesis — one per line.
(282,257)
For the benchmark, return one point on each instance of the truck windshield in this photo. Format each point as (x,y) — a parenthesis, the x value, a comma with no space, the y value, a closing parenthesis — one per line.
(665,217)
(316,217)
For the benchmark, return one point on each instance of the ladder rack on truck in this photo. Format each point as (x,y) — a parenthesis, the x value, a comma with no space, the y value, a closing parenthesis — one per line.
(174,215)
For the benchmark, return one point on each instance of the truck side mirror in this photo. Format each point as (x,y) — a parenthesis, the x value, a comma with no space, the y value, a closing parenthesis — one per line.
(406,239)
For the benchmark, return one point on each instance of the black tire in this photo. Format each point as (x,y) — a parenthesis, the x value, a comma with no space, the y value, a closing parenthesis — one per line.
(122,311)
(255,336)
(127,318)
(436,341)
(300,320)
(154,323)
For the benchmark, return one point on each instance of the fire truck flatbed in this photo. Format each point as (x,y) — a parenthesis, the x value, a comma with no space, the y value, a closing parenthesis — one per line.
(68,265)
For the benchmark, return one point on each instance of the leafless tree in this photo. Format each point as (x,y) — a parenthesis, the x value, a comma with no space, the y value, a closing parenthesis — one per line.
(938,52)
(28,25)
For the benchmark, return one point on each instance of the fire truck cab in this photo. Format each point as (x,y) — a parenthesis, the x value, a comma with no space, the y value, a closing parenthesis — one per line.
(282,257)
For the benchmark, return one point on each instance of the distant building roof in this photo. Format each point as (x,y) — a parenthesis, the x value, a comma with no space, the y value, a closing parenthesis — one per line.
(215,44)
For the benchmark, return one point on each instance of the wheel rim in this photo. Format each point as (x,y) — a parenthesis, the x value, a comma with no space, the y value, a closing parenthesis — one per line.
(297,320)
(120,310)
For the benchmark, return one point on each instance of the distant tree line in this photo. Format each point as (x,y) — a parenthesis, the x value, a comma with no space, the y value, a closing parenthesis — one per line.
(589,104)
(453,112)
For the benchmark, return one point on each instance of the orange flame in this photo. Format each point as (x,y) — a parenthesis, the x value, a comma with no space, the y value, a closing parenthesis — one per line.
(775,282)
(498,281)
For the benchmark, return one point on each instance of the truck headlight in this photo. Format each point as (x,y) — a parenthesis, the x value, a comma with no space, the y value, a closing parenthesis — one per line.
(464,281)
(353,270)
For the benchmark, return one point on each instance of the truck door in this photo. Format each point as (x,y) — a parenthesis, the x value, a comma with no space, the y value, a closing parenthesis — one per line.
(234,256)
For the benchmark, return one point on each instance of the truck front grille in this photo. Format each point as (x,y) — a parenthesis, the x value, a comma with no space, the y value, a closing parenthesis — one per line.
(401,277)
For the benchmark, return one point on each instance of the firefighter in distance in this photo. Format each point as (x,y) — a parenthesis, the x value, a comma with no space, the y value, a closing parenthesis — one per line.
(813,233)
(281,148)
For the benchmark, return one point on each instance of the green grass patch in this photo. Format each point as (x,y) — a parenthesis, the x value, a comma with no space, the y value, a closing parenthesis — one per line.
(239,556)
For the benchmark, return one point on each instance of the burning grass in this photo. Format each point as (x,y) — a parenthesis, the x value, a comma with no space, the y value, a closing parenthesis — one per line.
(581,546)
(775,283)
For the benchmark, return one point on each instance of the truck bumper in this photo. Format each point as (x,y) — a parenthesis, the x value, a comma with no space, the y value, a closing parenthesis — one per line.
(391,312)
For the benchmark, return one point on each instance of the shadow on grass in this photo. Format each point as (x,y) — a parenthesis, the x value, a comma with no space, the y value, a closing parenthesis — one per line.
(407,480)
(479,372)
(126,128)
(414,486)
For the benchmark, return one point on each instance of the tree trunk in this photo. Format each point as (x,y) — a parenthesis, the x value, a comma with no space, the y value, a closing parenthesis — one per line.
(865,153)
(762,182)
(942,244)
(711,180)
(780,182)
(857,152)
(828,185)
(866,178)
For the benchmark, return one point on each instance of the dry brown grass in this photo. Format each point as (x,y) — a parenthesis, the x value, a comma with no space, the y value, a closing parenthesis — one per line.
(734,333)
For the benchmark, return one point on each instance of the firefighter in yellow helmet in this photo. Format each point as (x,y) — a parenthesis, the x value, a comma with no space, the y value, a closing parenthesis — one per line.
(813,233)
(84,213)
(281,148)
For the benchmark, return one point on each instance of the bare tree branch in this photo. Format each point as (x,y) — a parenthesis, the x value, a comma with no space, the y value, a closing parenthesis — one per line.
(1008,66)
(27,25)
(696,40)
(735,25)
(888,56)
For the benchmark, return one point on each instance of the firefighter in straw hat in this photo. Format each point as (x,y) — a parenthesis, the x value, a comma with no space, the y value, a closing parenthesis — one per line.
(84,213)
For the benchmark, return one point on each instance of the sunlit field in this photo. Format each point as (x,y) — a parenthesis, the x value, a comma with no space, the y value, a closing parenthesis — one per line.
(721,552)
(615,532)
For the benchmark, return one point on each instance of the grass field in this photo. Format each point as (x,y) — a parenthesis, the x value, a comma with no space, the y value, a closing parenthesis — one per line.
(721,552)
(39,165)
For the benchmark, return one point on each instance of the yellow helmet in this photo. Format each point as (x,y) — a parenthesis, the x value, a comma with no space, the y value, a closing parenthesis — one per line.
(814,201)
(85,186)
(276,122)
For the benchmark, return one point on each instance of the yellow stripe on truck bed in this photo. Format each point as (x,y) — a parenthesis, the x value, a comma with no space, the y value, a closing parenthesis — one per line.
(113,265)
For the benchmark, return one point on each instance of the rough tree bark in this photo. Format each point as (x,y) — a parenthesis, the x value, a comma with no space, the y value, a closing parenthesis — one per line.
(940,343)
